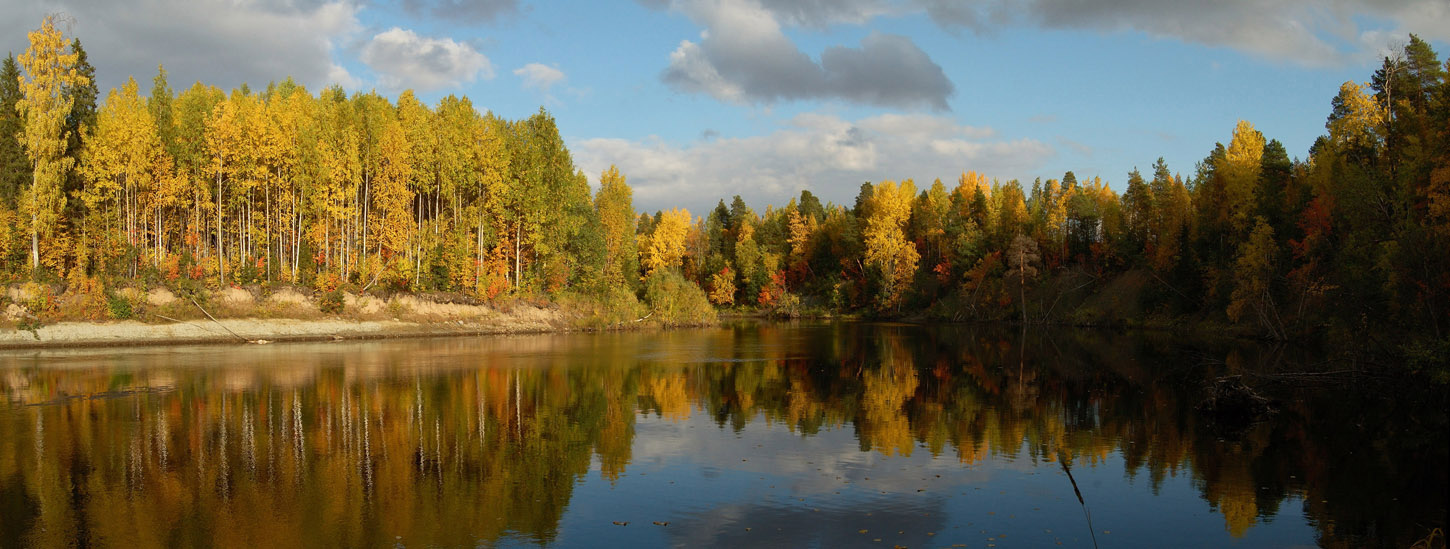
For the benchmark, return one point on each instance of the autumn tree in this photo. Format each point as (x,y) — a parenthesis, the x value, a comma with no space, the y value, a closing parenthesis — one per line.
(666,245)
(1240,166)
(614,206)
(1254,275)
(887,248)
(44,105)
(1023,258)
(122,166)
(393,200)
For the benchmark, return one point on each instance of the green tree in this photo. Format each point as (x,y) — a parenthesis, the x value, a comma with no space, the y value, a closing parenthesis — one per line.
(14,166)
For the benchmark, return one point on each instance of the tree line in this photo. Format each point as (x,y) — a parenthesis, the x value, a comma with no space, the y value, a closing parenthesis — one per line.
(281,185)
(1356,236)
(326,190)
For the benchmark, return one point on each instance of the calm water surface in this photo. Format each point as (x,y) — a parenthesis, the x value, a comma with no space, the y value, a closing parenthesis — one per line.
(826,435)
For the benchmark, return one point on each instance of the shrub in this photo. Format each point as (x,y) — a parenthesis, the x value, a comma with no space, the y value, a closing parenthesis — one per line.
(675,301)
(612,308)
(329,293)
(119,307)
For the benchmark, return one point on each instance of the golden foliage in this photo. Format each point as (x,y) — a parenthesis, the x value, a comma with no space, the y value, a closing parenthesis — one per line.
(50,69)
(666,245)
(887,248)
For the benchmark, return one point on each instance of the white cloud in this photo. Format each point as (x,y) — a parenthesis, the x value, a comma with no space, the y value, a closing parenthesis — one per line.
(1308,32)
(539,76)
(744,56)
(219,42)
(824,153)
(473,11)
(403,59)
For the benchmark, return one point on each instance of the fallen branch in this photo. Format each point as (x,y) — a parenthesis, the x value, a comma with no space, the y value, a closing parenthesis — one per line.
(1085,513)
(1170,286)
(180,321)
(370,282)
(641,319)
(1048,314)
(218,322)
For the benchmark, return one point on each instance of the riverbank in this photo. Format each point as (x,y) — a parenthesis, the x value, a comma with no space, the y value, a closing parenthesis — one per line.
(253,331)
(239,315)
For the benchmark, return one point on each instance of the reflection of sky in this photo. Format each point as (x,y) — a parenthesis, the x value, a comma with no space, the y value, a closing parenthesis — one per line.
(765,486)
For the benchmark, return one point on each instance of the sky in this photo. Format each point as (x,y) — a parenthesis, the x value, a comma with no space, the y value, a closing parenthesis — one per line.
(698,100)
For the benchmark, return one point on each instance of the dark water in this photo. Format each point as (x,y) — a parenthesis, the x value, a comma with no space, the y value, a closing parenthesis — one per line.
(752,435)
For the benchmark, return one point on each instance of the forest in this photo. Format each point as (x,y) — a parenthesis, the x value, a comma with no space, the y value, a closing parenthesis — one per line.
(327,191)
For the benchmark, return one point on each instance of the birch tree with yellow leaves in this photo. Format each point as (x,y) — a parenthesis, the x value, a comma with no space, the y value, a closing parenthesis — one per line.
(887,248)
(122,166)
(666,246)
(49,69)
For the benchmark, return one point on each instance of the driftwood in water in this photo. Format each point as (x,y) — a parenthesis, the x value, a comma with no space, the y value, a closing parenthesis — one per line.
(1230,403)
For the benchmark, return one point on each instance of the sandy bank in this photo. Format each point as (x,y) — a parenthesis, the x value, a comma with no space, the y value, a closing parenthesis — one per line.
(252,316)
(239,330)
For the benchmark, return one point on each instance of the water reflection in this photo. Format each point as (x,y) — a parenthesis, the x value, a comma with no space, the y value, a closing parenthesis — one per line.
(469,441)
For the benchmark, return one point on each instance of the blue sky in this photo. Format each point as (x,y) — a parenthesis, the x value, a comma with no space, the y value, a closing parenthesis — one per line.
(697,100)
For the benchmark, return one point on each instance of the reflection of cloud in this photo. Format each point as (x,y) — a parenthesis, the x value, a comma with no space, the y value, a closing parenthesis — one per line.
(895,520)
(822,463)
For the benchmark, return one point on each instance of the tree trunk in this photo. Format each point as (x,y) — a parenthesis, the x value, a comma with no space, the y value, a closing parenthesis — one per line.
(220,249)
(1022,284)
(34,240)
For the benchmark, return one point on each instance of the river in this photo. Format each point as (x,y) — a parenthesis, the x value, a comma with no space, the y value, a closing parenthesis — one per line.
(750,434)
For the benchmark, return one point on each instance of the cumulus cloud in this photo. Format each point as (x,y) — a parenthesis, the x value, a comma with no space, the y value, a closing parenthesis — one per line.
(1310,32)
(807,13)
(744,57)
(403,59)
(220,42)
(539,76)
(823,13)
(824,153)
(471,11)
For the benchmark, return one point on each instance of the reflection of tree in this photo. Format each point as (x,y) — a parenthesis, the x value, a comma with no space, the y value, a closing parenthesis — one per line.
(457,443)
(885,392)
(450,458)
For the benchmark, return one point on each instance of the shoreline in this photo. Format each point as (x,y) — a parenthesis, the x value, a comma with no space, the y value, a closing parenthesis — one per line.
(243,331)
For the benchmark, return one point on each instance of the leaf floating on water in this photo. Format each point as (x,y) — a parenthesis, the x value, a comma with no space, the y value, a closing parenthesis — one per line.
(658,523)
(618,523)
(861,531)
